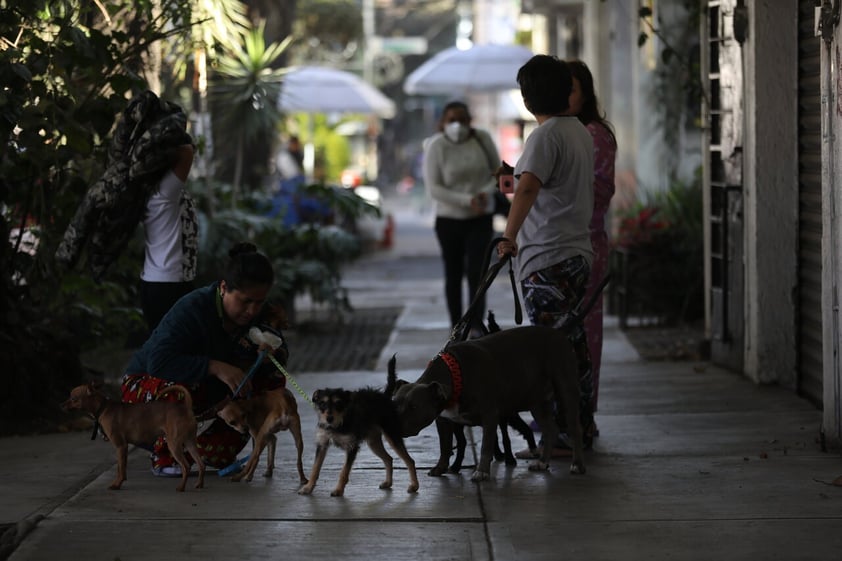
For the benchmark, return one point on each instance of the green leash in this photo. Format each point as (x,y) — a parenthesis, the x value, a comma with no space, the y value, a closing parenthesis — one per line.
(292,381)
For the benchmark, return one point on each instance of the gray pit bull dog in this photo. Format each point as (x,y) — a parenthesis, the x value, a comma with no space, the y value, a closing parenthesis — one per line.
(482,381)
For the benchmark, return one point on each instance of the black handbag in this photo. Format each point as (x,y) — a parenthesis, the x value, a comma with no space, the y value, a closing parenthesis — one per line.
(502,204)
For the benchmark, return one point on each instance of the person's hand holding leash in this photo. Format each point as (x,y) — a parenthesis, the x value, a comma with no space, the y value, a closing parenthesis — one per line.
(229,375)
(506,247)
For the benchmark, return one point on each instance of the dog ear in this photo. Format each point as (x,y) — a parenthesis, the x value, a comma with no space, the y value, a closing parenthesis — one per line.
(317,395)
(439,393)
(400,382)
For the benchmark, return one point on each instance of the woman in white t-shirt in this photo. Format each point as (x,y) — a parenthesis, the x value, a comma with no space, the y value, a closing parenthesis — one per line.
(171,240)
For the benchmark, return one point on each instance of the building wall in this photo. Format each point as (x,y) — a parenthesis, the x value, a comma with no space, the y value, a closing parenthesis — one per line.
(832,237)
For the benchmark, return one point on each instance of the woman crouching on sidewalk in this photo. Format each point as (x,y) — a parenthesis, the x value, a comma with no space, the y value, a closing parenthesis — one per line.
(202,344)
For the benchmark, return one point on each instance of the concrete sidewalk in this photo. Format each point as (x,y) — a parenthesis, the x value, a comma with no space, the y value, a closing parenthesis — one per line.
(693,462)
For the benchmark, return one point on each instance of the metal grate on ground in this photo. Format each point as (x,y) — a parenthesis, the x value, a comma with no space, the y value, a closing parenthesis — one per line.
(324,345)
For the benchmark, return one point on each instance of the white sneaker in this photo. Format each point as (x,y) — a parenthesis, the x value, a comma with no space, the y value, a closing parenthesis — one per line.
(167,471)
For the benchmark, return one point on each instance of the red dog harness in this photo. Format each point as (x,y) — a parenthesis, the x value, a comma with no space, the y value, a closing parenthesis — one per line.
(455,376)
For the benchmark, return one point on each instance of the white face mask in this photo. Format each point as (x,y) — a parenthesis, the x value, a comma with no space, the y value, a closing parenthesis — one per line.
(456,131)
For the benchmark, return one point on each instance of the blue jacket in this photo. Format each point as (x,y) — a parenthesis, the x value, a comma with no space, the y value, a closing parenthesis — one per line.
(190,335)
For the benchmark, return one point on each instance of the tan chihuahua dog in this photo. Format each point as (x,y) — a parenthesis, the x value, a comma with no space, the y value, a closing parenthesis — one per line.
(141,424)
(262,417)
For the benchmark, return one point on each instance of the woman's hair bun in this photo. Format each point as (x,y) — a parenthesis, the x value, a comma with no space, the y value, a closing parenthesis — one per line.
(241,248)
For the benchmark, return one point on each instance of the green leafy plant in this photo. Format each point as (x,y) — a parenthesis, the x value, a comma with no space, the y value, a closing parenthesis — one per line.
(677,90)
(333,30)
(246,89)
(660,238)
(307,258)
(67,68)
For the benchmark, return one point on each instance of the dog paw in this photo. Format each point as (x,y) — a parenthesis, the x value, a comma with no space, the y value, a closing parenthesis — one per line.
(538,465)
(577,468)
(413,488)
(436,472)
(306,490)
(480,476)
(386,485)
(337,492)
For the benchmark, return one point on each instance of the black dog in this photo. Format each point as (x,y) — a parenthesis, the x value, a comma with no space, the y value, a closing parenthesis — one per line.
(515,421)
(346,419)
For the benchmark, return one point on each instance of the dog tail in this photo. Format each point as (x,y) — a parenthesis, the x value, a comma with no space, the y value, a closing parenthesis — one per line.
(186,397)
(391,377)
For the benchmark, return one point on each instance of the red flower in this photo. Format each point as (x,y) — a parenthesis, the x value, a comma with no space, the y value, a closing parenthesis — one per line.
(639,229)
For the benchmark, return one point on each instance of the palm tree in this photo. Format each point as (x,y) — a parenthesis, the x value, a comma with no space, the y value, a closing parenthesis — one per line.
(247,86)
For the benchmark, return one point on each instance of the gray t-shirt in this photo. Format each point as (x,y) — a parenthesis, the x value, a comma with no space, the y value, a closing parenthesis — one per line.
(559,152)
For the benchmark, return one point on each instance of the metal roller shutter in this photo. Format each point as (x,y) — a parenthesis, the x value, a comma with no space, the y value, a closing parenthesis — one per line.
(809,320)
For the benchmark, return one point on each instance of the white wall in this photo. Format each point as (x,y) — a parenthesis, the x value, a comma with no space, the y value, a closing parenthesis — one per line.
(831,237)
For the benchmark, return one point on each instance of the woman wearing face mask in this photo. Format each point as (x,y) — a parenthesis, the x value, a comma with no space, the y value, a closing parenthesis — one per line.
(458,164)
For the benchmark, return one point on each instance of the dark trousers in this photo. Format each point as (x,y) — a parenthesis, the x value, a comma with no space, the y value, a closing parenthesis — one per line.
(156,299)
(463,245)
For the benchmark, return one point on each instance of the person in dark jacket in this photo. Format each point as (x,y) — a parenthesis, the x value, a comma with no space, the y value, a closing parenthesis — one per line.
(202,343)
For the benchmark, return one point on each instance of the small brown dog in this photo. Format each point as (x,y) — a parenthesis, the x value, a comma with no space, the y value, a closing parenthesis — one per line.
(348,418)
(262,417)
(141,424)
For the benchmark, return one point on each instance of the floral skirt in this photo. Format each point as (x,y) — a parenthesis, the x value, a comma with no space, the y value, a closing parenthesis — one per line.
(550,296)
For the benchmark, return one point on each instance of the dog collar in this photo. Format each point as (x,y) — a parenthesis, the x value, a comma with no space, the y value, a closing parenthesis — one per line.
(455,376)
(96,418)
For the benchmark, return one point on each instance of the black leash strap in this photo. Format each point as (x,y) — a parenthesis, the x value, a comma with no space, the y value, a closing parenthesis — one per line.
(580,311)
(461,329)
(518,311)
(99,412)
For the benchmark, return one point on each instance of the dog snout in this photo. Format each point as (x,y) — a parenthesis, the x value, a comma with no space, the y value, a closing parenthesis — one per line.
(70,404)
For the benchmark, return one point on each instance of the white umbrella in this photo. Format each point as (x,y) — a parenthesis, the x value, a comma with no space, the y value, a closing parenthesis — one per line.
(317,89)
(479,69)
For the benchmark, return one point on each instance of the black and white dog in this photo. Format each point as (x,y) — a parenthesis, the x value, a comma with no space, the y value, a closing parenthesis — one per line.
(348,418)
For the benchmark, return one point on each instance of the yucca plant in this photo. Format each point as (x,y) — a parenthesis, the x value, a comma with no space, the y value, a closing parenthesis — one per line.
(246,88)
